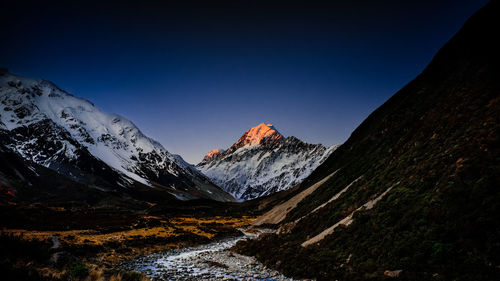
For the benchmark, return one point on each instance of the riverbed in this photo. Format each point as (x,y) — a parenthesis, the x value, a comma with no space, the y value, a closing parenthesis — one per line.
(211,261)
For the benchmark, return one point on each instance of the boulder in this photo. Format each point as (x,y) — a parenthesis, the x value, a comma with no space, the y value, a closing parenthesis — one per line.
(393,273)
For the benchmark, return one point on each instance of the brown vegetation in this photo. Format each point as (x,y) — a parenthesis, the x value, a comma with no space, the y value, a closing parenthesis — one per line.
(54,253)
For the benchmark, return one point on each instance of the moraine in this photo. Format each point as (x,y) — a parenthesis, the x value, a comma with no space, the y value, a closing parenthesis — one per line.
(212,261)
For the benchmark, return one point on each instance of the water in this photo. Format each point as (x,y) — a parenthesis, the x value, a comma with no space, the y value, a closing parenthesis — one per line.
(212,261)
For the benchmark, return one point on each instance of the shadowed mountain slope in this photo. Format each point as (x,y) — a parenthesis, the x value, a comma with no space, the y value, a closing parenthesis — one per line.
(415,189)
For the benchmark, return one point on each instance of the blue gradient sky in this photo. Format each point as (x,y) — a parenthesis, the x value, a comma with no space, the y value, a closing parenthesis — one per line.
(196,76)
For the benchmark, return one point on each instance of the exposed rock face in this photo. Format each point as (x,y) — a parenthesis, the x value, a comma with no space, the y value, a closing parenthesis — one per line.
(262,162)
(55,129)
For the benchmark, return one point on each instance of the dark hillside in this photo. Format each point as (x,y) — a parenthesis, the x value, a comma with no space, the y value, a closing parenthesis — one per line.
(434,147)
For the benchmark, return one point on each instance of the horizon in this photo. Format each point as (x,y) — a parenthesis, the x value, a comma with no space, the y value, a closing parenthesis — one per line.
(316,76)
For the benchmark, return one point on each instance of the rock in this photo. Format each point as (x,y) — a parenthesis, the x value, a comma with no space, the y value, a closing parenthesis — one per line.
(286,228)
(56,244)
(393,273)
(207,262)
(62,258)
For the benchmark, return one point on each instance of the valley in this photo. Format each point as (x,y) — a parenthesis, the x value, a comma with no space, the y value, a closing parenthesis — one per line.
(412,194)
(96,241)
(213,261)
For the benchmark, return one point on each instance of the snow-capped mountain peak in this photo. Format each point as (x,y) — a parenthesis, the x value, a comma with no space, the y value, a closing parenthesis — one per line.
(211,154)
(257,134)
(262,162)
(32,109)
(110,137)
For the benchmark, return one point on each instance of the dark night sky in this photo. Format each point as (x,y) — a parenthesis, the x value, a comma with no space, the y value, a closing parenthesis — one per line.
(196,75)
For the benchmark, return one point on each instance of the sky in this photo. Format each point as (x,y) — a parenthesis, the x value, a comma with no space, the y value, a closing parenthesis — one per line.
(195,76)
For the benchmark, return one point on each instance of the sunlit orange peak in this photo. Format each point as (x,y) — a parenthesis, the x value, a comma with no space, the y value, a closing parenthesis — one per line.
(212,153)
(259,132)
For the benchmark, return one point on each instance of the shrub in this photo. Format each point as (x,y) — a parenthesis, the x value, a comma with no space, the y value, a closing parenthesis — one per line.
(77,269)
(132,276)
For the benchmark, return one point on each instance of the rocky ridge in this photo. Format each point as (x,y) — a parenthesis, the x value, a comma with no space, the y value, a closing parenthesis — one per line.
(262,162)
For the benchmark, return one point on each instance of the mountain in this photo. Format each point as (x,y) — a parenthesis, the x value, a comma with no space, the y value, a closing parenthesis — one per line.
(413,194)
(57,130)
(262,162)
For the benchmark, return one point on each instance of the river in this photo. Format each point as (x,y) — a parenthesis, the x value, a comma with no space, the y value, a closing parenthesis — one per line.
(211,261)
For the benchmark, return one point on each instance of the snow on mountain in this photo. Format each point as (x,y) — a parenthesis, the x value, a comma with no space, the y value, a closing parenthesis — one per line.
(262,162)
(48,125)
(256,134)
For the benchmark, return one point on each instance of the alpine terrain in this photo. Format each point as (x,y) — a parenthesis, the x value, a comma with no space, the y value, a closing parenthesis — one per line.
(413,194)
(262,162)
(51,128)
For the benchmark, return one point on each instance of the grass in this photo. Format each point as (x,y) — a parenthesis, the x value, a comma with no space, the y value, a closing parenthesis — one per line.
(25,253)
(174,227)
